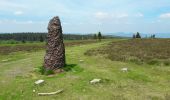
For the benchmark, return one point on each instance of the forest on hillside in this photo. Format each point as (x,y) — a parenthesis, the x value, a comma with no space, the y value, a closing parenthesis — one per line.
(42,36)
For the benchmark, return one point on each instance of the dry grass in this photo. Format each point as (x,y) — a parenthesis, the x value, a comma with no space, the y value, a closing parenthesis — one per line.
(7,49)
(151,51)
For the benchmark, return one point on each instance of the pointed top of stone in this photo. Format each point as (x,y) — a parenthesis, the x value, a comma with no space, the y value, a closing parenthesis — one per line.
(56,17)
(54,24)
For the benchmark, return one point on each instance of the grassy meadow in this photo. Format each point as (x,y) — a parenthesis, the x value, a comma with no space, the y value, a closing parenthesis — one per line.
(86,61)
(150,51)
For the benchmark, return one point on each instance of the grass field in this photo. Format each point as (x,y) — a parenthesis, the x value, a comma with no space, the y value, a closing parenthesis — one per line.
(142,81)
(139,51)
(7,48)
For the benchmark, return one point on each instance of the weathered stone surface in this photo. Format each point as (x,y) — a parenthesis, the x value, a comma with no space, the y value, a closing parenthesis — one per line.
(124,69)
(55,53)
(39,82)
(94,81)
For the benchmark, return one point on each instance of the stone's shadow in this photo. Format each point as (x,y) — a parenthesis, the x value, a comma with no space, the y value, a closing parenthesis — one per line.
(69,67)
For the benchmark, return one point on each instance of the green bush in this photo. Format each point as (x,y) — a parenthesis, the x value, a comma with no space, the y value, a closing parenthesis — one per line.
(9,42)
(153,62)
(72,67)
(43,71)
(49,72)
(166,63)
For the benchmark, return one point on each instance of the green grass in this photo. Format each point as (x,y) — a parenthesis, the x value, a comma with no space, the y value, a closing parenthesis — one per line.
(141,82)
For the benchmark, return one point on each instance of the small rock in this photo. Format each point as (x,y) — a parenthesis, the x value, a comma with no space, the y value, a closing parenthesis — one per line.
(50,93)
(39,82)
(94,81)
(81,60)
(33,90)
(124,69)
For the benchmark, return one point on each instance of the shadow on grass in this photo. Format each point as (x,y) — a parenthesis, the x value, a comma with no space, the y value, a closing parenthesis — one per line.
(69,67)
(73,68)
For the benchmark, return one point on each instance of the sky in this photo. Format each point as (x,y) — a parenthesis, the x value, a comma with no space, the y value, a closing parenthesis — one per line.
(86,16)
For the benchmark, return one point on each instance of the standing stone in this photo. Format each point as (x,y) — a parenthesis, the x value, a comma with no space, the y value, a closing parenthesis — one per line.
(55,54)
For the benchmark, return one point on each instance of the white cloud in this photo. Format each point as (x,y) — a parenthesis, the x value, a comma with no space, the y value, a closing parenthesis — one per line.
(129,23)
(165,15)
(158,21)
(121,15)
(104,15)
(9,5)
(65,23)
(14,21)
(72,12)
(18,13)
(139,15)
(101,15)
(29,22)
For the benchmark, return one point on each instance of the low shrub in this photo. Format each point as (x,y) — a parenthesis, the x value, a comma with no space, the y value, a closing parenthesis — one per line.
(43,71)
(166,63)
(139,51)
(153,62)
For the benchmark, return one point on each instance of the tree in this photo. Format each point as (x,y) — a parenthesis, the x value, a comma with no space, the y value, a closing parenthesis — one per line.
(99,36)
(134,36)
(23,41)
(95,36)
(138,35)
(153,36)
(41,38)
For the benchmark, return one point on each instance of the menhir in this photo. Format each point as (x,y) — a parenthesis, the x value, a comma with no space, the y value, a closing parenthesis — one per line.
(55,55)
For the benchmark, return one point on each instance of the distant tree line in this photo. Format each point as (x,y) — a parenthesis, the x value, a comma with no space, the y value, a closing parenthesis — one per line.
(42,36)
(99,36)
(153,36)
(24,36)
(137,35)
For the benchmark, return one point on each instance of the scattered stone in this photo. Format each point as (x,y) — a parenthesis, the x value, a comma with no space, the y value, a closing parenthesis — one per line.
(81,60)
(94,81)
(33,90)
(124,69)
(51,93)
(55,53)
(39,82)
